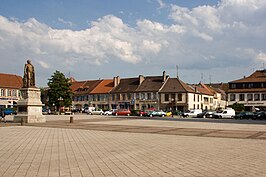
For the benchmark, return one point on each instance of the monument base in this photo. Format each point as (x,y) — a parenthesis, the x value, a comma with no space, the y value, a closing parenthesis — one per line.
(29,118)
(30,106)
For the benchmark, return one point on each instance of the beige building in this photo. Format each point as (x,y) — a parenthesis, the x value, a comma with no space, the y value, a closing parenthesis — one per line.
(9,89)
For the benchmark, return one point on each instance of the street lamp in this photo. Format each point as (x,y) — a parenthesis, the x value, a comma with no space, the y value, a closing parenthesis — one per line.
(60,99)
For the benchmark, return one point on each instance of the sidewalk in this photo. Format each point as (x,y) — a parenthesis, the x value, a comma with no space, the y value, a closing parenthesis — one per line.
(43,151)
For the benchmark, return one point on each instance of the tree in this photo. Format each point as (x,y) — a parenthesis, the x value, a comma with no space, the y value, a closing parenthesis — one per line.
(59,92)
(238,107)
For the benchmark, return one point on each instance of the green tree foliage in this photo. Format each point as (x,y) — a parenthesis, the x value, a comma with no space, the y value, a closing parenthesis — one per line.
(59,92)
(238,107)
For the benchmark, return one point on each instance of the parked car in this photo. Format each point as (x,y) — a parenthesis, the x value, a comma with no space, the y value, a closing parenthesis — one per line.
(156,113)
(110,112)
(227,113)
(142,113)
(260,115)
(245,115)
(205,114)
(192,113)
(123,112)
(96,112)
(169,113)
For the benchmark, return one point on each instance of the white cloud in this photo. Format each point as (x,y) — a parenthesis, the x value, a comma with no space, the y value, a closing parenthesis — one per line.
(261,56)
(202,37)
(161,4)
(68,23)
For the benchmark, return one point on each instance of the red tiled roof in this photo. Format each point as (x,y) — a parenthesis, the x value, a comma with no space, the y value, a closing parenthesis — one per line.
(84,87)
(105,86)
(127,85)
(257,76)
(151,84)
(10,81)
(173,85)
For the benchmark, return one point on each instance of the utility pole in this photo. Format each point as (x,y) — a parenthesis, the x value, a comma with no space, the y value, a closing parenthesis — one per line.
(177,72)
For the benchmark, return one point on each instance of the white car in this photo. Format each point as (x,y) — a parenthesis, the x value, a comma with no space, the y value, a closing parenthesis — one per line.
(96,112)
(192,113)
(110,112)
(227,113)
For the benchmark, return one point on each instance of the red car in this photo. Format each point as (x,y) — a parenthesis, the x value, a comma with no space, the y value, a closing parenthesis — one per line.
(123,112)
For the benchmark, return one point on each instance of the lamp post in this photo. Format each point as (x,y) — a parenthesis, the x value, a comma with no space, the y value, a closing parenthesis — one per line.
(172,102)
(60,99)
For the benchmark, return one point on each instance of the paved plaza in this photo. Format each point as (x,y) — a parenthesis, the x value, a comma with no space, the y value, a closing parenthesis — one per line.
(112,146)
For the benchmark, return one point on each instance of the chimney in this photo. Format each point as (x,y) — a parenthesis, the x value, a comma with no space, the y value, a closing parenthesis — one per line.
(164,76)
(141,79)
(116,81)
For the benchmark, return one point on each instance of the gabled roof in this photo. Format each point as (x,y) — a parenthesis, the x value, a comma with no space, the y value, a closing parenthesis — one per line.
(151,84)
(10,81)
(203,89)
(257,76)
(223,87)
(127,85)
(84,87)
(174,85)
(105,86)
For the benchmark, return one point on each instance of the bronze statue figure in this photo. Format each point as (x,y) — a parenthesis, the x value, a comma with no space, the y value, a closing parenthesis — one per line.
(29,75)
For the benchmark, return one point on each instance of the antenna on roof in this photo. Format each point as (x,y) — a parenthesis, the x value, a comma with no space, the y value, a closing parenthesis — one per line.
(177,72)
(210,78)
(201,77)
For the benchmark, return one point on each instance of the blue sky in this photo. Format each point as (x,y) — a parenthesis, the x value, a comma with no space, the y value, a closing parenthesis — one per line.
(209,40)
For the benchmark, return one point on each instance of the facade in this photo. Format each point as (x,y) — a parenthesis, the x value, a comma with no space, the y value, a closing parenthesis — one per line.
(99,97)
(175,95)
(122,96)
(9,89)
(81,93)
(250,91)
(147,94)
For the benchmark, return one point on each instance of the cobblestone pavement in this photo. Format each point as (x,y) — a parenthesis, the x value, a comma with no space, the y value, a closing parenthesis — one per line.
(80,150)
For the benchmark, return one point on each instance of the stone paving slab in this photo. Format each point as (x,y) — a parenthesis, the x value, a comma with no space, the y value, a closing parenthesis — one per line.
(131,148)
(42,151)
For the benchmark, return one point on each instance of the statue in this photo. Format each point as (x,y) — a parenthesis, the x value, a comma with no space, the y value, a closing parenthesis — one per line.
(29,75)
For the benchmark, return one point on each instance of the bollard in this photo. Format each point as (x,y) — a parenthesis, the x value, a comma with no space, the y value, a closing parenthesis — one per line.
(71,119)
(22,122)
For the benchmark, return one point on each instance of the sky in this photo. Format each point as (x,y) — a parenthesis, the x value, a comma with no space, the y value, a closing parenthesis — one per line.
(203,40)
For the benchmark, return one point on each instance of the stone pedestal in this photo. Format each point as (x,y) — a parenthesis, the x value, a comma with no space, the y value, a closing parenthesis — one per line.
(30,106)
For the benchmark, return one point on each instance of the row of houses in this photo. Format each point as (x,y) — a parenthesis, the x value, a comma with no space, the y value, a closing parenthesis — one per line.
(160,92)
(144,92)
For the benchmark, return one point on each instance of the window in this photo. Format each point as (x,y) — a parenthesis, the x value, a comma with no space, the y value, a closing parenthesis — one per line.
(233,86)
(206,100)
(257,97)
(129,96)
(137,96)
(263,96)
(113,97)
(142,96)
(198,98)
(241,97)
(232,97)
(166,97)
(179,97)
(149,96)
(194,98)
(8,92)
(250,97)
(14,93)
(123,96)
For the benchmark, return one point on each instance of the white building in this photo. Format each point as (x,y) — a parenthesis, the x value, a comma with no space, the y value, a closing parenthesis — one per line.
(9,89)
(250,91)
